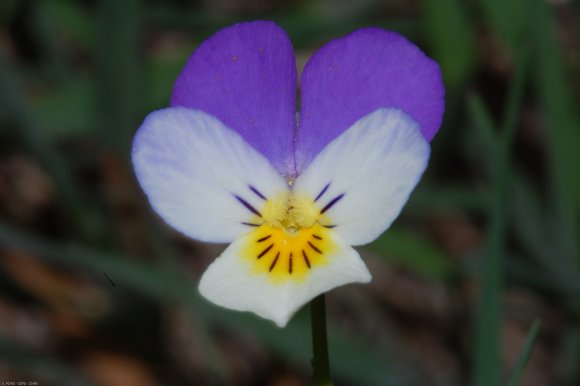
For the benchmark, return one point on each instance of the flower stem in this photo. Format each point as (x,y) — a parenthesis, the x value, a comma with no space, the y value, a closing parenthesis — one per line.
(321,376)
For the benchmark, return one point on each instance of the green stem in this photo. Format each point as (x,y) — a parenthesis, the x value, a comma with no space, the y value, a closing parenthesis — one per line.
(526,353)
(321,376)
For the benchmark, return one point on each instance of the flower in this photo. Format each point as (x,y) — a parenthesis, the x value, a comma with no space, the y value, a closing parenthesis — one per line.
(230,162)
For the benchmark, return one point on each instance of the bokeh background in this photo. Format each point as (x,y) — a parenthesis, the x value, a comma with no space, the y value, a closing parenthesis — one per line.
(96,290)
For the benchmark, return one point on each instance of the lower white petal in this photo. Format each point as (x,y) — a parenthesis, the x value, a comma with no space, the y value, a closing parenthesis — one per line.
(236,280)
(201,177)
(361,180)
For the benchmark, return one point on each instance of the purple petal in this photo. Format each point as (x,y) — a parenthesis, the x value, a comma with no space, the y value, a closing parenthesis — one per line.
(245,75)
(350,77)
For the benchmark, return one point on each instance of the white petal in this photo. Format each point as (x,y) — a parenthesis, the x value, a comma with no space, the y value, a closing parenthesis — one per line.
(375,165)
(232,282)
(192,168)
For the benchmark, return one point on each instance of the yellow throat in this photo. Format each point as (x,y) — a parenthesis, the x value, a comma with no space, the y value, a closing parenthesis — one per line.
(292,237)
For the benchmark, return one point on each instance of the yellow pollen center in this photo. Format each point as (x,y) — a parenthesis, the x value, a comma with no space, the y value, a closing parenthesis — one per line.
(290,211)
(292,238)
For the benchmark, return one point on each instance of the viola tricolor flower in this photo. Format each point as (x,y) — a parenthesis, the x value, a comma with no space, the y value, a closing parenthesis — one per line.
(231,161)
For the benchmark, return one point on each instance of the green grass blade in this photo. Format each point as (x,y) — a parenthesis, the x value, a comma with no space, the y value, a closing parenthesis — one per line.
(486,133)
(514,101)
(563,134)
(570,357)
(409,250)
(53,111)
(451,39)
(482,119)
(50,43)
(532,229)
(118,76)
(487,354)
(525,354)
(506,19)
(432,197)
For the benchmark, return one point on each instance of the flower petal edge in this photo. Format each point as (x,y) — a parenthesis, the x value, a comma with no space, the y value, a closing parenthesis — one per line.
(245,75)
(367,174)
(200,176)
(352,76)
(229,282)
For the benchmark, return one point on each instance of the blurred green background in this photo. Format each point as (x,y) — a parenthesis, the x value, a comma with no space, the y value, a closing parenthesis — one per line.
(95,290)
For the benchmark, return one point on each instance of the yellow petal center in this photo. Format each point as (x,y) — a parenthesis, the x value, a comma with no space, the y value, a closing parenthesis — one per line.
(292,238)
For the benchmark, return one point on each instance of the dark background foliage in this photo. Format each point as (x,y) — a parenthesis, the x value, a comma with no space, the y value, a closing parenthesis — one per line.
(95,290)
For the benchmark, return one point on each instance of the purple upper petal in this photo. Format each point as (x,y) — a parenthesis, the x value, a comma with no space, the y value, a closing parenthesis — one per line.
(245,75)
(350,77)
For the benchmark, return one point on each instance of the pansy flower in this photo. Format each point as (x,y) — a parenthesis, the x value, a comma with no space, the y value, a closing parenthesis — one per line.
(231,161)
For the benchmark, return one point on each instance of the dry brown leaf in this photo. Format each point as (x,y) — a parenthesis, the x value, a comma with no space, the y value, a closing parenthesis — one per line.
(114,369)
